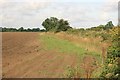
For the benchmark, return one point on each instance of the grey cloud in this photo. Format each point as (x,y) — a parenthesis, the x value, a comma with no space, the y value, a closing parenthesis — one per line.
(33,13)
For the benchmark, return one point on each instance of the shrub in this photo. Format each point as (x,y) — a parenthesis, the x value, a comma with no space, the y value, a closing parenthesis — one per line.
(113,56)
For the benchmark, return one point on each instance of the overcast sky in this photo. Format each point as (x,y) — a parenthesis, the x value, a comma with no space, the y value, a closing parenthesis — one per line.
(79,13)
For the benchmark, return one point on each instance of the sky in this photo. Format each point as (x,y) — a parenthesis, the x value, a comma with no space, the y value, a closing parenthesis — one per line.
(79,13)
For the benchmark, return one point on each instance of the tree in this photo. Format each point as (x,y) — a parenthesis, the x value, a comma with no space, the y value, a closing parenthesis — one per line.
(62,25)
(21,29)
(35,29)
(50,24)
(109,25)
(53,24)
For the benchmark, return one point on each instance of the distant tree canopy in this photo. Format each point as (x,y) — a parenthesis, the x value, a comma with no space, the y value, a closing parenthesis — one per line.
(56,25)
(21,29)
(108,26)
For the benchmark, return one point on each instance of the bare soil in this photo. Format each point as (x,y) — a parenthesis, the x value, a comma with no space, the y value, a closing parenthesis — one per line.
(23,57)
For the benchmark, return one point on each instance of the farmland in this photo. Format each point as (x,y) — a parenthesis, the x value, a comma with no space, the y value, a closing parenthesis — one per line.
(45,54)
(60,39)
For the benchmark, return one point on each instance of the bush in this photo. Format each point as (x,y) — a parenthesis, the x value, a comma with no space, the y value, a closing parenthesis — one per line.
(113,56)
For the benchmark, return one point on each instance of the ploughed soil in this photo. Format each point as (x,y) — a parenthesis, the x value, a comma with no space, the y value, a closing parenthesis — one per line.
(23,57)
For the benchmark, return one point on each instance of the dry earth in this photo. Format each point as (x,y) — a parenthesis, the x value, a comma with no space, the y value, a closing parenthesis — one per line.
(23,57)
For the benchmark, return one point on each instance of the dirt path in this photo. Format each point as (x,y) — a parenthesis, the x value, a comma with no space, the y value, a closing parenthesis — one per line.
(89,65)
(23,56)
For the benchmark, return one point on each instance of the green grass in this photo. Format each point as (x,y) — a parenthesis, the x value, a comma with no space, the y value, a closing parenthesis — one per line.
(52,42)
(64,46)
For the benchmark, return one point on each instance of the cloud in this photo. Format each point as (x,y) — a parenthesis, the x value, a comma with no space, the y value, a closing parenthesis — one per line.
(111,5)
(16,10)
(31,13)
(25,4)
(109,11)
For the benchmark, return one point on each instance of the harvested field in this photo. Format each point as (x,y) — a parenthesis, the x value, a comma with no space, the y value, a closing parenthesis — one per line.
(24,57)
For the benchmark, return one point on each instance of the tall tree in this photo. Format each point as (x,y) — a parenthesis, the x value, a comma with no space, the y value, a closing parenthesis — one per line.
(21,29)
(109,25)
(56,25)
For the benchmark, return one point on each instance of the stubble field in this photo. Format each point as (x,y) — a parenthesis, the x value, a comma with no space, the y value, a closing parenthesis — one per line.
(46,55)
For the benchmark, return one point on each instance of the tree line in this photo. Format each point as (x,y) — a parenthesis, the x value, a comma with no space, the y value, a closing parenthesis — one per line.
(21,29)
(107,26)
(56,25)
